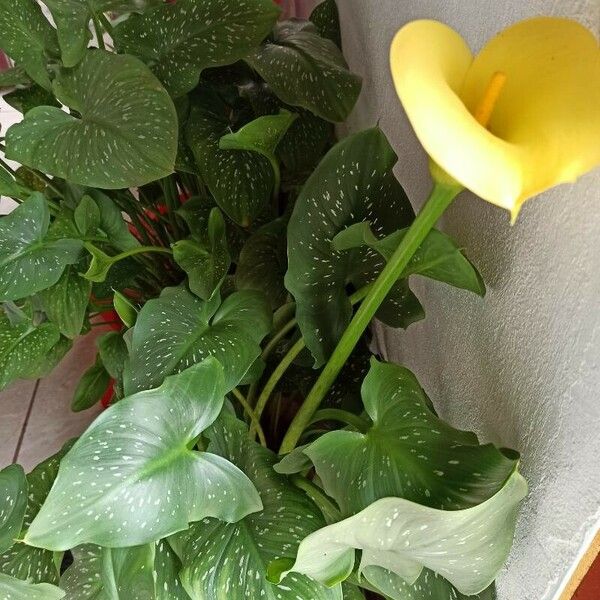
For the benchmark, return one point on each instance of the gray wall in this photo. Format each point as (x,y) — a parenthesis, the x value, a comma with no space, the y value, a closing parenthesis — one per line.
(519,367)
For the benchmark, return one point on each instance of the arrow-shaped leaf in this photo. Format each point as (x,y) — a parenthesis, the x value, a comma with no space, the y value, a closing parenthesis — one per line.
(131,478)
(13,492)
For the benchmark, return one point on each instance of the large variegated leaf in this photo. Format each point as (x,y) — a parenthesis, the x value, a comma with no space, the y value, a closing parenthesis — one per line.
(25,349)
(241,181)
(178,329)
(468,547)
(223,561)
(17,589)
(147,572)
(133,478)
(408,452)
(29,260)
(27,37)
(26,562)
(181,39)
(13,502)
(72,18)
(327,20)
(353,183)
(124,133)
(307,70)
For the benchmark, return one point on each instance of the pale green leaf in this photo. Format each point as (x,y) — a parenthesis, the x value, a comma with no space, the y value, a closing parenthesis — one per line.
(13,492)
(183,38)
(28,261)
(131,478)
(178,329)
(307,70)
(27,37)
(468,547)
(17,589)
(125,134)
(223,561)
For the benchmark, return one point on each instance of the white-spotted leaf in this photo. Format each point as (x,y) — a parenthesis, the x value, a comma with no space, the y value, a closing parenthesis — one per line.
(72,18)
(27,37)
(132,477)
(307,70)
(29,261)
(147,572)
(468,547)
(17,589)
(125,134)
(223,561)
(178,329)
(408,452)
(13,496)
(36,565)
(241,181)
(181,39)
(353,183)
(25,349)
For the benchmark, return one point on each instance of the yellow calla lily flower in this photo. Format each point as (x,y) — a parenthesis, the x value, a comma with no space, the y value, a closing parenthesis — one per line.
(520,117)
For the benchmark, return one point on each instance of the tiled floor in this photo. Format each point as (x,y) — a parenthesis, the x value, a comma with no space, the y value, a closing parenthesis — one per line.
(36,418)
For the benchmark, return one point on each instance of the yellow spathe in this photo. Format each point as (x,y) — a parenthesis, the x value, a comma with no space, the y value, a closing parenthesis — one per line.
(538,83)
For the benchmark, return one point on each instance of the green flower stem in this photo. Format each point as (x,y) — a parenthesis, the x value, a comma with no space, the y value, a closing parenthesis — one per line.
(439,200)
(274,379)
(106,24)
(253,418)
(140,250)
(343,416)
(330,511)
(99,32)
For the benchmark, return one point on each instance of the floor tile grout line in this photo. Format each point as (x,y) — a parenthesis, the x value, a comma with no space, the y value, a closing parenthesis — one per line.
(25,422)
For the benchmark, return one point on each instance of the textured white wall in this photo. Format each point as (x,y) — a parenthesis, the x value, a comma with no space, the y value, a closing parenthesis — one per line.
(521,367)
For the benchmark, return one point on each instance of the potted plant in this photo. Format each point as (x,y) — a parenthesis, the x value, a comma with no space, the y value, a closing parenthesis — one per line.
(182,176)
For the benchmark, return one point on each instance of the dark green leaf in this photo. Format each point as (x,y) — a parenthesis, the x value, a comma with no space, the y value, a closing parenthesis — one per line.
(113,353)
(147,572)
(126,134)
(23,561)
(131,478)
(65,303)
(222,560)
(91,387)
(407,453)
(11,187)
(262,265)
(27,37)
(195,213)
(17,589)
(87,216)
(29,262)
(327,19)
(13,491)
(178,329)
(14,76)
(205,265)
(353,183)
(240,181)
(307,70)
(112,223)
(24,349)
(183,38)
(351,592)
(24,99)
(72,18)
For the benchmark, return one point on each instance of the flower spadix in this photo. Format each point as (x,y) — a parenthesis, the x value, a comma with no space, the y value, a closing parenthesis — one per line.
(520,117)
